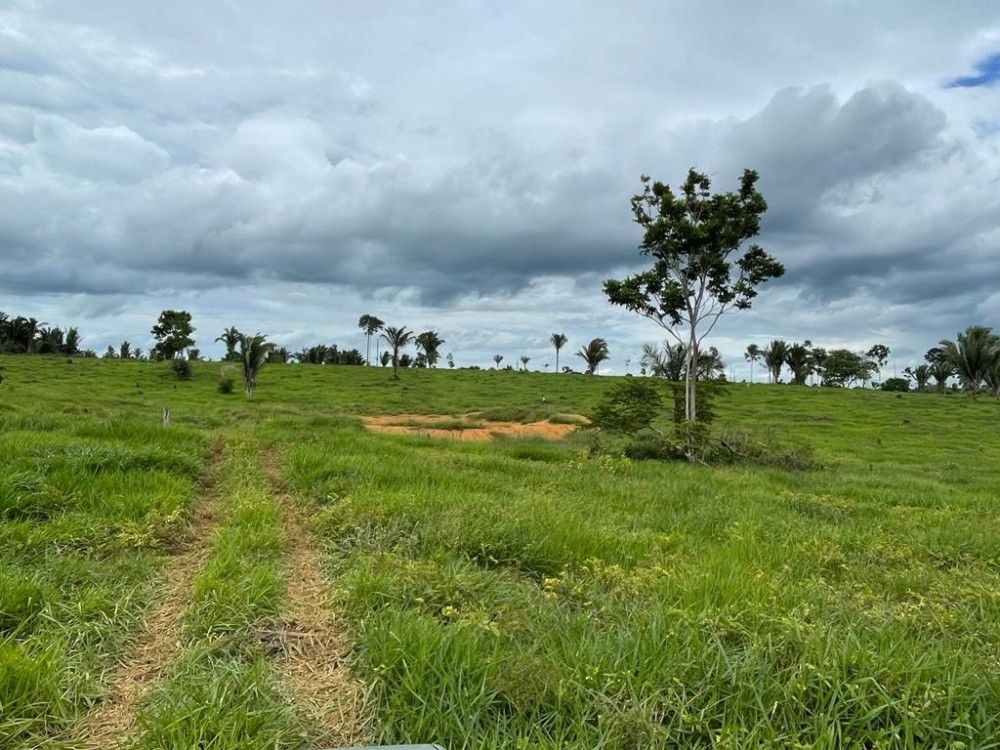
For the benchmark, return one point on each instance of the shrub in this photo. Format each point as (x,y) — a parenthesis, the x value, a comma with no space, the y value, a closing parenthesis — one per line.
(628,407)
(227,384)
(896,384)
(181,368)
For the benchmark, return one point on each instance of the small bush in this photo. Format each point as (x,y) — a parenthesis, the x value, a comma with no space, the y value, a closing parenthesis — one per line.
(896,384)
(227,384)
(181,368)
(628,407)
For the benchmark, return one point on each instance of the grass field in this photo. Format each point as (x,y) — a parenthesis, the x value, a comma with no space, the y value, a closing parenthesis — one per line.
(518,593)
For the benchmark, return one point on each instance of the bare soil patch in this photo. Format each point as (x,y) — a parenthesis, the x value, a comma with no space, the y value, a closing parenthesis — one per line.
(312,649)
(436,425)
(108,724)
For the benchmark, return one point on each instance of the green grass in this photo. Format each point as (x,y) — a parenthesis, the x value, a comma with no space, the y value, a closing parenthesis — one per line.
(514,594)
(89,509)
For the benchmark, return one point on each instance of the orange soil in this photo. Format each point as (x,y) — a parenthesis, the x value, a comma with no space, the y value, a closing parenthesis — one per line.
(395,425)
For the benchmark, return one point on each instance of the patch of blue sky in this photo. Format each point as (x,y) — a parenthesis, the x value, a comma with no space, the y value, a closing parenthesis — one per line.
(988,73)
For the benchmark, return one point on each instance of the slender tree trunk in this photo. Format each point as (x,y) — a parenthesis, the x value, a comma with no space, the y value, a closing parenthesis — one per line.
(690,385)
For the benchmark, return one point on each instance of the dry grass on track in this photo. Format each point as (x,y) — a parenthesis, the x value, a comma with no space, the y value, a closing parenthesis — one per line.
(114,717)
(312,650)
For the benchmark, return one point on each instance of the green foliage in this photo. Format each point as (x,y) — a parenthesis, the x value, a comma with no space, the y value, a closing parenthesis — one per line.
(593,354)
(172,333)
(558,340)
(844,368)
(397,339)
(227,383)
(230,337)
(181,368)
(974,355)
(628,407)
(896,384)
(254,353)
(692,237)
(429,342)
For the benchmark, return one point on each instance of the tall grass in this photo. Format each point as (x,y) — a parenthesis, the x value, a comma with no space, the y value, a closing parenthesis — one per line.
(87,515)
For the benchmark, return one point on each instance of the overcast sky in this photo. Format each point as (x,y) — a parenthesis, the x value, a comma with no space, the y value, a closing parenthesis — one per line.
(286,167)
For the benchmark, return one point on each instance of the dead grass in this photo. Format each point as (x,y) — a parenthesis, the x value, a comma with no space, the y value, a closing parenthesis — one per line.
(107,725)
(311,654)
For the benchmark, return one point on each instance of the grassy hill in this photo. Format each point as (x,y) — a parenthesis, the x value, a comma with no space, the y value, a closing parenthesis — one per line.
(517,593)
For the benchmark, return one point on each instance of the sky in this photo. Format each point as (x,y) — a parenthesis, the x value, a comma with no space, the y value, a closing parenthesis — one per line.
(466,167)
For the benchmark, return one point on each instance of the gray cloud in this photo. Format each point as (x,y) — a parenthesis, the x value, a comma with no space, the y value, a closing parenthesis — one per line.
(442,162)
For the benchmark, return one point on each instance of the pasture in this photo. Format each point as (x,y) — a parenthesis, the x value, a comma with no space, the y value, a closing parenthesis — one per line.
(273,574)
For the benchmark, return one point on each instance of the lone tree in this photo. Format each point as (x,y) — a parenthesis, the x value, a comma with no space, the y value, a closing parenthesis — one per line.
(558,341)
(429,342)
(694,239)
(172,333)
(231,339)
(397,338)
(254,351)
(593,354)
(370,325)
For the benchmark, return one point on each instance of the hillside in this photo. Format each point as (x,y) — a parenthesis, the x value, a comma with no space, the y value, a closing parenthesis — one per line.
(269,573)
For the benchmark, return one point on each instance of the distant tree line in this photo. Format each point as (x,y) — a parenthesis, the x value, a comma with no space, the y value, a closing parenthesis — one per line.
(21,335)
(973,359)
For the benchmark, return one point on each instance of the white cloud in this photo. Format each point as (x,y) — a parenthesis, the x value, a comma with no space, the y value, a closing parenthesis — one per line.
(468,168)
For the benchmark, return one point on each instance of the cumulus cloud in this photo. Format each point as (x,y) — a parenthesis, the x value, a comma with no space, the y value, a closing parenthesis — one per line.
(473,165)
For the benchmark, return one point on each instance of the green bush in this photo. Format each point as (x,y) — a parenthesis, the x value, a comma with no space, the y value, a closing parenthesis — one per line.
(226,384)
(181,368)
(896,384)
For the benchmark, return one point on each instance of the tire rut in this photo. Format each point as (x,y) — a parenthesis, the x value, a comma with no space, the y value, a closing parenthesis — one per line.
(107,725)
(312,660)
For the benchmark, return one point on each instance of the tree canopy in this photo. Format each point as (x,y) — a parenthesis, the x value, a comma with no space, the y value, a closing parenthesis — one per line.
(172,333)
(700,267)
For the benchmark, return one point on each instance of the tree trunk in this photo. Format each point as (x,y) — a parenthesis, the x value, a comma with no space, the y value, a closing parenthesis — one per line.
(691,379)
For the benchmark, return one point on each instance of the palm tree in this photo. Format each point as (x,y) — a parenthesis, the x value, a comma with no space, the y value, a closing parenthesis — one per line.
(524,361)
(593,354)
(774,357)
(4,332)
(397,338)
(799,361)
(430,342)
(125,350)
(710,364)
(751,355)
(921,375)
(668,363)
(231,338)
(72,345)
(941,367)
(974,354)
(558,341)
(370,325)
(50,340)
(498,358)
(254,351)
(31,331)
(993,379)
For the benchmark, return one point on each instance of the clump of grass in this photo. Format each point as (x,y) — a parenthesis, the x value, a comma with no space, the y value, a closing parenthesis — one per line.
(454,424)
(574,419)
(216,699)
(242,582)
